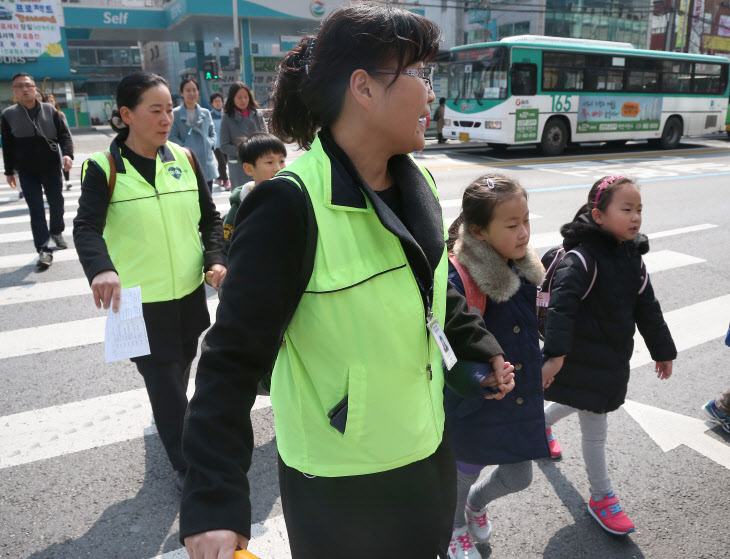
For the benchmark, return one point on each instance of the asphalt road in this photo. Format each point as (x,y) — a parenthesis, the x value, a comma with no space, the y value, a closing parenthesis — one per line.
(83,474)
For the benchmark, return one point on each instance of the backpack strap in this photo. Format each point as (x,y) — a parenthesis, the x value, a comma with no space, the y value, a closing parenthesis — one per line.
(112,174)
(585,265)
(644,275)
(476,300)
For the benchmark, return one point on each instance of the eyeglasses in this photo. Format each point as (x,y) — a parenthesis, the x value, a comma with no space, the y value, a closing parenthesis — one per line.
(24,86)
(425,73)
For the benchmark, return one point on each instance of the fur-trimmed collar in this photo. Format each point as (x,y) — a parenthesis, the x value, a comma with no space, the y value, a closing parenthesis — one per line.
(487,268)
(584,229)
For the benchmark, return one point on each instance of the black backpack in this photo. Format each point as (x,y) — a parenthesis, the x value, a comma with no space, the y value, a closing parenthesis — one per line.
(551,260)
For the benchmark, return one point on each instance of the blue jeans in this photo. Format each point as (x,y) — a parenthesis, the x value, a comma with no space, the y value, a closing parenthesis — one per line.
(33,186)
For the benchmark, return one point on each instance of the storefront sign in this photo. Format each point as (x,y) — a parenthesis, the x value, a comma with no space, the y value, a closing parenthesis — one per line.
(723,30)
(618,114)
(30,29)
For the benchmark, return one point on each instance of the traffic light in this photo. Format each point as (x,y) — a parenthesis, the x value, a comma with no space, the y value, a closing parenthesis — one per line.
(210,70)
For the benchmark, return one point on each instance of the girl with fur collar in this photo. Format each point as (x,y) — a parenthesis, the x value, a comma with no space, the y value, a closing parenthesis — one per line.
(589,339)
(493,248)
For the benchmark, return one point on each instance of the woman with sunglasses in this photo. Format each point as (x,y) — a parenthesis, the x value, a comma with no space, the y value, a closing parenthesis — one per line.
(343,256)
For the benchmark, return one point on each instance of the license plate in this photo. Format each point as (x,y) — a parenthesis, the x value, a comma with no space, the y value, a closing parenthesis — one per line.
(463,136)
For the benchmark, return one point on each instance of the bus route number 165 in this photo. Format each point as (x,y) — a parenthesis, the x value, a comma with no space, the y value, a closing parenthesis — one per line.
(561,103)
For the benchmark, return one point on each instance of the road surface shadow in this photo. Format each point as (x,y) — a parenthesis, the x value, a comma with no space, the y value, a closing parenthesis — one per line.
(584,538)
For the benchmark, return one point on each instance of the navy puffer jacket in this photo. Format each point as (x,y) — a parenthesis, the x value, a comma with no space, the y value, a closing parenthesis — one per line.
(597,334)
(510,430)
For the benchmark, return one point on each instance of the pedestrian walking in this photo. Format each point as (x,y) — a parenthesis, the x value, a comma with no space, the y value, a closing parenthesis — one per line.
(492,254)
(262,155)
(50,98)
(439,118)
(337,267)
(194,129)
(33,134)
(143,209)
(216,111)
(718,410)
(592,315)
(241,118)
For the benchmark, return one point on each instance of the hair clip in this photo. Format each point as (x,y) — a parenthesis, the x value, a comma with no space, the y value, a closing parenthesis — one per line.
(603,186)
(490,183)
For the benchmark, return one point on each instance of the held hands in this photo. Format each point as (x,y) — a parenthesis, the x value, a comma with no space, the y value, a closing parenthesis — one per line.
(663,369)
(550,368)
(11,181)
(503,379)
(214,544)
(215,275)
(107,289)
(67,163)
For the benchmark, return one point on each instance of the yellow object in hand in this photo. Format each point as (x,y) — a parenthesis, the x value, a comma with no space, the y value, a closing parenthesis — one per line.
(243,554)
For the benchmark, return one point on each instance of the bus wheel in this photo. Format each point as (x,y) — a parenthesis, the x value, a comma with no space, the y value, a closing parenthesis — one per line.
(554,137)
(671,134)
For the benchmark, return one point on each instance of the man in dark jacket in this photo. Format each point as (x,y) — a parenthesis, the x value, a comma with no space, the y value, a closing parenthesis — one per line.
(32,134)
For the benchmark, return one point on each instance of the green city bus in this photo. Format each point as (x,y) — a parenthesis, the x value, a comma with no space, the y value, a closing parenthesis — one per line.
(552,91)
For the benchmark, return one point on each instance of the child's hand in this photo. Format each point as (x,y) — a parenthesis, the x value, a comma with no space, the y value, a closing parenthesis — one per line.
(550,368)
(663,369)
(501,379)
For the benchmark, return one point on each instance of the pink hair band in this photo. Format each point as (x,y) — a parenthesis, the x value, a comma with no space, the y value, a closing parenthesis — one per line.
(603,186)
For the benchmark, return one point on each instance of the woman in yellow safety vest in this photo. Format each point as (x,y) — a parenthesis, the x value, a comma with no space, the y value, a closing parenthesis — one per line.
(143,209)
(343,256)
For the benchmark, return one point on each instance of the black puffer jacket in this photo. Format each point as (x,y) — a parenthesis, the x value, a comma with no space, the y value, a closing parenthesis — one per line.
(597,334)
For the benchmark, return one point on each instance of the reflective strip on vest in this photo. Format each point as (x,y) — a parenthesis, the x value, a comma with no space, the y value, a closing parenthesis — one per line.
(359,331)
(152,235)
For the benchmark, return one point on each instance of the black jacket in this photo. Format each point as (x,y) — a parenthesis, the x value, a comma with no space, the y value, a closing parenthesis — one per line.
(597,334)
(31,139)
(260,294)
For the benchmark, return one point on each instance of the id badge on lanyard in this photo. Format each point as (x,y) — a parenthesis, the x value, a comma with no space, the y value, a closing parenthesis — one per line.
(442,342)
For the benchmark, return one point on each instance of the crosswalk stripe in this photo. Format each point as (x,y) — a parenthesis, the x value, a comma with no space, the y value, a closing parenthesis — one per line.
(58,430)
(44,291)
(545,240)
(63,335)
(21,260)
(661,260)
(268,539)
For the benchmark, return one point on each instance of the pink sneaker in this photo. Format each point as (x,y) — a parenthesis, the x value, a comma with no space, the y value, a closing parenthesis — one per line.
(461,546)
(478,522)
(610,515)
(556,451)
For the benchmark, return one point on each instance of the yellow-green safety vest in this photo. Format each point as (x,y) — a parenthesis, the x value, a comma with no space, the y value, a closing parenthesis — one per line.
(151,233)
(359,331)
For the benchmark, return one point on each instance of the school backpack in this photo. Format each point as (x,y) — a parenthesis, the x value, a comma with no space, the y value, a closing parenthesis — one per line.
(476,300)
(551,260)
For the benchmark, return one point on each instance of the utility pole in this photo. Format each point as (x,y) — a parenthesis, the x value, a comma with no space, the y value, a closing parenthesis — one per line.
(237,41)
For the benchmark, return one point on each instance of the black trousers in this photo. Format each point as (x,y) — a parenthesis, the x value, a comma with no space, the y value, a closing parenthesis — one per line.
(406,513)
(222,160)
(167,384)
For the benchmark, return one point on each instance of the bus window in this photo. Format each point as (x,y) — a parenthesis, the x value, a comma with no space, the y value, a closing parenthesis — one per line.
(676,76)
(707,78)
(524,79)
(482,76)
(562,71)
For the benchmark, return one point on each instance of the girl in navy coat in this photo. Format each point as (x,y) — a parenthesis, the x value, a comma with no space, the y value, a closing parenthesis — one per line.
(492,250)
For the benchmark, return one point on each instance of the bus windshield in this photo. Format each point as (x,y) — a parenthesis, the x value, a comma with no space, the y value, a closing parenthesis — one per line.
(479,73)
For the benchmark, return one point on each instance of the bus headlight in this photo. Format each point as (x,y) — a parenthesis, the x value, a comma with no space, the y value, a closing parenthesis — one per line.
(447,122)
(493,124)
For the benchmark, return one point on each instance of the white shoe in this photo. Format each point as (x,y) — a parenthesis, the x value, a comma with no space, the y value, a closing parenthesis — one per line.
(479,525)
(461,545)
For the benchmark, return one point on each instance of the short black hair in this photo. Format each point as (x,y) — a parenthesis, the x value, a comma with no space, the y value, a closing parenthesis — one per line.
(257,145)
(215,95)
(442,100)
(21,75)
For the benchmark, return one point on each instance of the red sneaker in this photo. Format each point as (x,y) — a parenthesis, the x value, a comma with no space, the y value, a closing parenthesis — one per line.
(610,515)
(556,451)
